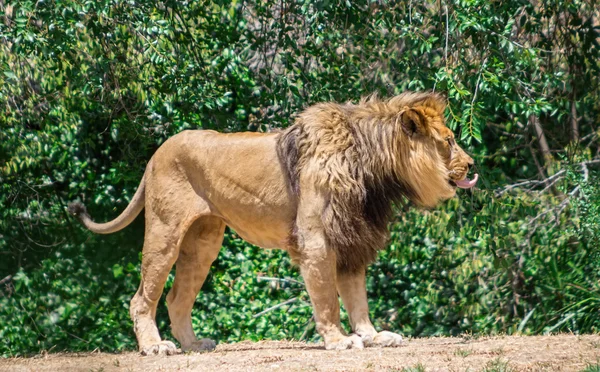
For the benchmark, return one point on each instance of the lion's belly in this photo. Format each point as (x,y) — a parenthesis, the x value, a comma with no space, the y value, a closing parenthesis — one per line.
(272,237)
(261,220)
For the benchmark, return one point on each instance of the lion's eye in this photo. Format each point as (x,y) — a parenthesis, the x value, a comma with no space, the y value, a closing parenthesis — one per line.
(450,141)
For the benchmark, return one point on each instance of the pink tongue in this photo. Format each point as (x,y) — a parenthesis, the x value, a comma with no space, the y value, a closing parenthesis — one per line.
(467,183)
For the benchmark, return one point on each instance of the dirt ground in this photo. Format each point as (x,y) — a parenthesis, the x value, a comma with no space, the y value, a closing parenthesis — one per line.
(491,354)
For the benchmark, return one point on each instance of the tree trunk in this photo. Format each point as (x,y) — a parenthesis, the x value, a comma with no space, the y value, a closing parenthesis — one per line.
(574,121)
(543,143)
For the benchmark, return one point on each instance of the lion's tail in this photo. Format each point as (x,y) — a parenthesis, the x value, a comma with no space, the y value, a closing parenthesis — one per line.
(129,214)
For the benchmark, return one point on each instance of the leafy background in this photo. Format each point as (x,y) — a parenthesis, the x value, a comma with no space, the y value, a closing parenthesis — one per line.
(90,89)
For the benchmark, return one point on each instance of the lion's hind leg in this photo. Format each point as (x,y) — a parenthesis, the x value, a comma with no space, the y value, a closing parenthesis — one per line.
(168,219)
(158,256)
(199,249)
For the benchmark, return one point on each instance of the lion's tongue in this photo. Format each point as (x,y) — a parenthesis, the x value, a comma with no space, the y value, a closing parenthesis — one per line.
(467,183)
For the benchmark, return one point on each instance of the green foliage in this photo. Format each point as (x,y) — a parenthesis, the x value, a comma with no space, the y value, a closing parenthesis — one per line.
(591,368)
(497,365)
(90,89)
(479,265)
(416,368)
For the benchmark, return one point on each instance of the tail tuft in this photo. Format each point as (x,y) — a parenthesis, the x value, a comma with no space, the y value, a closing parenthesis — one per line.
(77,209)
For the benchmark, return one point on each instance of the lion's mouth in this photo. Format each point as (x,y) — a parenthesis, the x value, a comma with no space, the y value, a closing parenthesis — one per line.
(466,183)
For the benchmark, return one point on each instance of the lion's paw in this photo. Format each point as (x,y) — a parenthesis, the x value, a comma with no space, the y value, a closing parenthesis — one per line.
(205,344)
(160,348)
(345,342)
(386,339)
(367,340)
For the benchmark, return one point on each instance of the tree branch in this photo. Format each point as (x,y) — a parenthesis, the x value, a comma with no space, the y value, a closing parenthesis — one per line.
(275,307)
(285,280)
(550,181)
(6,279)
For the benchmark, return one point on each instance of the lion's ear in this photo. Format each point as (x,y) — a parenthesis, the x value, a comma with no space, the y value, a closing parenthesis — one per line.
(414,121)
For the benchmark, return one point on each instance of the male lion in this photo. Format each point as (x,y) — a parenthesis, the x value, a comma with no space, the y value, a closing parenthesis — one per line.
(321,189)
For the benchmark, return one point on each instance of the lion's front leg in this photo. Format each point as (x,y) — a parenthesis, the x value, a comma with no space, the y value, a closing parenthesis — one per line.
(318,269)
(352,289)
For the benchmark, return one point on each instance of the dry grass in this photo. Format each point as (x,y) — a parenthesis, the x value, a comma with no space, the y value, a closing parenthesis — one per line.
(491,354)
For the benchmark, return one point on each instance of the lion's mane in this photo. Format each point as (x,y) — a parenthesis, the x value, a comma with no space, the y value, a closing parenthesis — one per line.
(361,157)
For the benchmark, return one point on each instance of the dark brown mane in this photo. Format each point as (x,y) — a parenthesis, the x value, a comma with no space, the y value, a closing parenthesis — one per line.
(361,155)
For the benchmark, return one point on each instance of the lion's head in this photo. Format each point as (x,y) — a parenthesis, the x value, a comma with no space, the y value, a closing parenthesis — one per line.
(431,160)
(365,156)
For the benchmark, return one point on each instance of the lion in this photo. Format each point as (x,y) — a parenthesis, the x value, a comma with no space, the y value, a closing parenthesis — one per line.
(322,190)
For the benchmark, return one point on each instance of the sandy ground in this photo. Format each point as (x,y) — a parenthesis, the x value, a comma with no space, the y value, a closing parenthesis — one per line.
(492,354)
